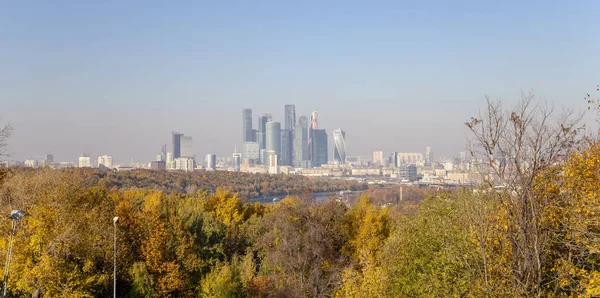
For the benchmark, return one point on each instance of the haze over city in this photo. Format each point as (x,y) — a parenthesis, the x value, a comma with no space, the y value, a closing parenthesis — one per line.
(117,78)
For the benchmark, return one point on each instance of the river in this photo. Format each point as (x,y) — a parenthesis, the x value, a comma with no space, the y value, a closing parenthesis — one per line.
(319,196)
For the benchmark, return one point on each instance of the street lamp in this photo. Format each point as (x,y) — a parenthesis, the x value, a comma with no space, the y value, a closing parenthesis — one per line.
(15,216)
(115,219)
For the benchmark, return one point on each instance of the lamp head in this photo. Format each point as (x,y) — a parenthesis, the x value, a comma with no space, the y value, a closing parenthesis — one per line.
(115,219)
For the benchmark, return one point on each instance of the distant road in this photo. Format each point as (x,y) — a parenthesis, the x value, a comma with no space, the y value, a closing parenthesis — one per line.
(319,196)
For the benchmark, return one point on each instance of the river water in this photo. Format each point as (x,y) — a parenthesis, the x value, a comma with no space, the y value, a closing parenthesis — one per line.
(319,196)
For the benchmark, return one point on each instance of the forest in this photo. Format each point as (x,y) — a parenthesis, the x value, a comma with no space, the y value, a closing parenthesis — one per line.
(531,229)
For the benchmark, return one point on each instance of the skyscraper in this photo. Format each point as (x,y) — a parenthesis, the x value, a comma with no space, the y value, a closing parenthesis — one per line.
(237,160)
(428,156)
(176,144)
(287,143)
(339,149)
(273,136)
(301,143)
(211,162)
(262,130)
(290,117)
(314,124)
(163,152)
(318,147)
(247,133)
(251,152)
(186,146)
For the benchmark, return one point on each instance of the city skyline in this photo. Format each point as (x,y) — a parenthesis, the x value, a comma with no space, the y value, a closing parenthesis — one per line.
(113,79)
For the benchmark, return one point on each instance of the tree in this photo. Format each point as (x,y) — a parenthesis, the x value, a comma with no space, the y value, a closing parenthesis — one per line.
(5,132)
(512,148)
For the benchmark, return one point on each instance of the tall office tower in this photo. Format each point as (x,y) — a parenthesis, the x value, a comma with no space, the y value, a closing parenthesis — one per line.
(211,162)
(287,148)
(237,161)
(319,147)
(105,160)
(395,159)
(247,134)
(428,156)
(377,158)
(339,148)
(163,152)
(301,143)
(176,144)
(290,117)
(274,137)
(187,146)
(251,152)
(314,124)
(314,120)
(262,130)
(84,161)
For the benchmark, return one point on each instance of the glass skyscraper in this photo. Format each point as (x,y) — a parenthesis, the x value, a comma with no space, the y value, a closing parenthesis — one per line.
(339,149)
(318,147)
(247,133)
(273,137)
(177,145)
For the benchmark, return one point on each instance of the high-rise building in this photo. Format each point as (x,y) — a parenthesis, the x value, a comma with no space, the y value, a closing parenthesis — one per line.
(339,148)
(319,150)
(290,117)
(274,137)
(84,161)
(272,162)
(428,156)
(176,144)
(105,160)
(377,158)
(287,149)
(187,164)
(247,126)
(237,161)
(170,162)
(211,162)
(251,152)
(314,124)
(262,130)
(394,159)
(408,172)
(163,152)
(187,146)
(301,143)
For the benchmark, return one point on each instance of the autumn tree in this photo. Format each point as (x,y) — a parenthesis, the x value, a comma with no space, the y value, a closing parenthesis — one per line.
(513,147)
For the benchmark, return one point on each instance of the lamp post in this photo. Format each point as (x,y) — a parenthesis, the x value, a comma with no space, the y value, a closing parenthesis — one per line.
(115,219)
(15,216)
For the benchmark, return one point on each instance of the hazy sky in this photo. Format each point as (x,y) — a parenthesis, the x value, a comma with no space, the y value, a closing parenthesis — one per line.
(116,77)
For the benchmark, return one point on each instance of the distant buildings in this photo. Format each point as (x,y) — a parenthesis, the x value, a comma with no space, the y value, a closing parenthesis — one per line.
(105,161)
(287,149)
(428,156)
(187,164)
(262,130)
(274,137)
(211,162)
(377,158)
(301,143)
(84,161)
(158,165)
(251,152)
(187,146)
(237,161)
(318,147)
(339,148)
(247,132)
(176,144)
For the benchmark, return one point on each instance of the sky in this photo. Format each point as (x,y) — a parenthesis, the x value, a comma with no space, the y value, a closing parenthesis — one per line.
(116,77)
